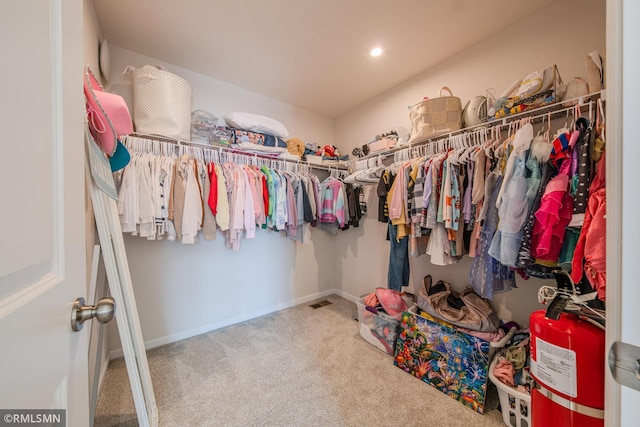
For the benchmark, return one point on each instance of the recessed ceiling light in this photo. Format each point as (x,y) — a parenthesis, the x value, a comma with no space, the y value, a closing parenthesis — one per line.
(376,51)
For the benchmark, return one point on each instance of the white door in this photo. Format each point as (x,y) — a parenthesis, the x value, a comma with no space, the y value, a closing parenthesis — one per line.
(622,403)
(43,364)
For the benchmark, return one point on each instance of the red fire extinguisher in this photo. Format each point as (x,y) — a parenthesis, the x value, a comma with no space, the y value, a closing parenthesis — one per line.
(567,364)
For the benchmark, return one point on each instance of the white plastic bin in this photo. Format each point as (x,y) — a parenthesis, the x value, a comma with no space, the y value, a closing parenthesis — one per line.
(515,405)
(378,329)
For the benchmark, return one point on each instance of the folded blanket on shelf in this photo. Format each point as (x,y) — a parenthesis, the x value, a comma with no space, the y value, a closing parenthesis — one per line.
(246,140)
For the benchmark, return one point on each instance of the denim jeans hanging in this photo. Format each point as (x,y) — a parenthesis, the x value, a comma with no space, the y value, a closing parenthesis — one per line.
(398,275)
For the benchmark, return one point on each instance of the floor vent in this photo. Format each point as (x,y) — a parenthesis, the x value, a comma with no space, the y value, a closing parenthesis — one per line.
(320,304)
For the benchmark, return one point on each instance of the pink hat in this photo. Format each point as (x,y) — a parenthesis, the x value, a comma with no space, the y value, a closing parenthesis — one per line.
(391,301)
(108,114)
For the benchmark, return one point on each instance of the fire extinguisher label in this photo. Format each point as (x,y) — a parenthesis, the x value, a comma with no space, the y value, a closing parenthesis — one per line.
(555,367)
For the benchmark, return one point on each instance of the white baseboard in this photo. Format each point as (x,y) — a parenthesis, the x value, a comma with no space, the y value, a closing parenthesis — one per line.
(117,353)
(345,295)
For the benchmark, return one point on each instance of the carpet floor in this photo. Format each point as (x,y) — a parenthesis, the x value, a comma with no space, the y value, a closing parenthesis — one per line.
(296,367)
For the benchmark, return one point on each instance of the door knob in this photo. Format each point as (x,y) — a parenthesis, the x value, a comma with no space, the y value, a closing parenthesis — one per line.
(103,311)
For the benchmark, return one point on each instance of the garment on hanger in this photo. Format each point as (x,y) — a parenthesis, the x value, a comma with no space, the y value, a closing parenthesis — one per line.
(512,201)
(487,275)
(209,219)
(192,213)
(590,255)
(398,271)
(552,218)
(581,171)
(332,204)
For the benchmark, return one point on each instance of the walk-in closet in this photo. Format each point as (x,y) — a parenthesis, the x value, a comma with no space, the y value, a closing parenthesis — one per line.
(296,213)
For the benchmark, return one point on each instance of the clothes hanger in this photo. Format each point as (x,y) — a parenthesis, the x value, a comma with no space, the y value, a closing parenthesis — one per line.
(600,117)
(499,144)
(565,128)
(362,173)
(470,143)
(460,145)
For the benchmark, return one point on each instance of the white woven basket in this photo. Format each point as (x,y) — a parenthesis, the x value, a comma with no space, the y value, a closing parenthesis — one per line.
(161,102)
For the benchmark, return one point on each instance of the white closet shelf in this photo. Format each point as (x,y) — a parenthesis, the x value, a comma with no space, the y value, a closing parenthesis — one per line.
(535,114)
(235,151)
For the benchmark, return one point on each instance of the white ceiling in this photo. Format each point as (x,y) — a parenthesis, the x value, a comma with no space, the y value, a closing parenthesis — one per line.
(311,54)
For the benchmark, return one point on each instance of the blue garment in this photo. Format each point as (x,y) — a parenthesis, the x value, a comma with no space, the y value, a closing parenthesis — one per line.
(512,212)
(398,275)
(488,276)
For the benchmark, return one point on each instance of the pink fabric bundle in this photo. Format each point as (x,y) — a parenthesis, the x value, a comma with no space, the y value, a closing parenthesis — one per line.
(552,217)
(371,300)
(504,372)
(390,300)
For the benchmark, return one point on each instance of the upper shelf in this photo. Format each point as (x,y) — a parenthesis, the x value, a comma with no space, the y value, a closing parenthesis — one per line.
(539,114)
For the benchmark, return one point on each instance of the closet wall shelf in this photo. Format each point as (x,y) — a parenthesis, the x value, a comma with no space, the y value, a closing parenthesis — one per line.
(250,155)
(536,115)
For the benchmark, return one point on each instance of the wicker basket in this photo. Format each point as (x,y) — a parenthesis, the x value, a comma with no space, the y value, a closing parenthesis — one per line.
(435,116)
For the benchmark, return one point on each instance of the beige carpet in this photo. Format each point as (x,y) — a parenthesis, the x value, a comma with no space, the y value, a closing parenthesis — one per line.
(297,367)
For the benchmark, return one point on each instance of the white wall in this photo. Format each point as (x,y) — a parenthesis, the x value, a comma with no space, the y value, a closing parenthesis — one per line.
(218,97)
(560,34)
(184,290)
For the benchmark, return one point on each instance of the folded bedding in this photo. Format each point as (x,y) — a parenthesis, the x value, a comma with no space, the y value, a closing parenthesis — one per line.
(247,140)
(256,123)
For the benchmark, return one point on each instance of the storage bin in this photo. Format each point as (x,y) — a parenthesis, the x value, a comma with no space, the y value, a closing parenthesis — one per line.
(382,144)
(378,329)
(203,125)
(515,405)
(313,159)
(446,358)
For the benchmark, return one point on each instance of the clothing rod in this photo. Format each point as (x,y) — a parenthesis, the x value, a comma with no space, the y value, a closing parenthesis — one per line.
(536,115)
(178,142)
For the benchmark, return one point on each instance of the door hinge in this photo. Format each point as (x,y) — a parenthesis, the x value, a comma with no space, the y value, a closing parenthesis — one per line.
(624,364)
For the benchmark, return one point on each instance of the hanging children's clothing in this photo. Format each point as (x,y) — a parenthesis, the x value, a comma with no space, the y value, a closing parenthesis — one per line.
(590,255)
(487,275)
(161,194)
(398,272)
(514,205)
(552,218)
(512,201)
(333,207)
